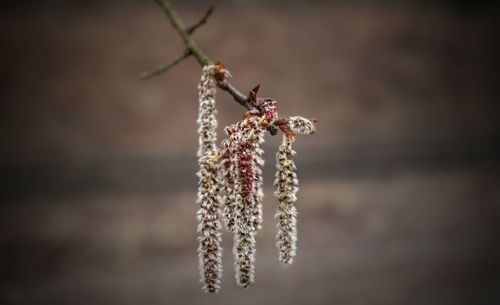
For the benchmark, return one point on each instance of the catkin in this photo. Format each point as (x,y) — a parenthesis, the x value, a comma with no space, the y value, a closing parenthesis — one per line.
(207,121)
(209,239)
(246,137)
(230,182)
(286,189)
(258,181)
(287,186)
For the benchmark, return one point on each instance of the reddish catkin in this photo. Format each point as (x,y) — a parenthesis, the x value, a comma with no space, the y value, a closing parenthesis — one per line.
(229,175)
(245,138)
(258,181)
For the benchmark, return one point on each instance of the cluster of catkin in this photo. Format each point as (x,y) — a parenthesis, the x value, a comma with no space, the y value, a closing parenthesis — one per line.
(230,182)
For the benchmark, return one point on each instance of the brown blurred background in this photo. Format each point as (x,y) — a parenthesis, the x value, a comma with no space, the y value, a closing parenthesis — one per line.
(400,187)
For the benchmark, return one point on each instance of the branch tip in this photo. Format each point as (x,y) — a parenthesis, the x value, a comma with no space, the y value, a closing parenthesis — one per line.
(164,68)
(202,21)
(193,50)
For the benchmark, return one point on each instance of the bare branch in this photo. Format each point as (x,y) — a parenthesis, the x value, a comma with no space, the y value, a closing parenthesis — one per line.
(193,50)
(164,68)
(177,23)
(237,95)
(202,21)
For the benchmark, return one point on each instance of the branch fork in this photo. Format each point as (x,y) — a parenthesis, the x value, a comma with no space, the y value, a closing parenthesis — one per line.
(193,50)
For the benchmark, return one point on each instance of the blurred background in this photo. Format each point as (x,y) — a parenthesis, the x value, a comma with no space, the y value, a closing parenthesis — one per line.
(400,187)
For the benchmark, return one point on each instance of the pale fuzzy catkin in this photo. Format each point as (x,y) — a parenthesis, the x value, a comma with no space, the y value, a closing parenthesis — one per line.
(207,121)
(287,186)
(244,244)
(286,189)
(209,238)
(209,248)
(301,125)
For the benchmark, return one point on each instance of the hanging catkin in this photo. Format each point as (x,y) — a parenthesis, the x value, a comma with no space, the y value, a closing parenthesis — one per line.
(286,189)
(244,140)
(209,248)
(230,182)
(209,239)
(287,186)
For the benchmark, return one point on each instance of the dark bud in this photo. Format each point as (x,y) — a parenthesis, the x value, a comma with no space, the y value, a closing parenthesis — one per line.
(272,130)
(252,96)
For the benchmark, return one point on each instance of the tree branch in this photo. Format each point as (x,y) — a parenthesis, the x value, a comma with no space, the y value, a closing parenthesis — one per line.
(202,21)
(237,95)
(164,68)
(193,50)
(177,23)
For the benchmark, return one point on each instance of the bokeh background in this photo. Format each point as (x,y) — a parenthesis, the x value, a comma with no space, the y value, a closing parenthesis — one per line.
(400,187)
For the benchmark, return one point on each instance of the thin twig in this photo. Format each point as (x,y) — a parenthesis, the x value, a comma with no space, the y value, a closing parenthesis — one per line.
(165,68)
(193,50)
(202,21)
(177,23)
